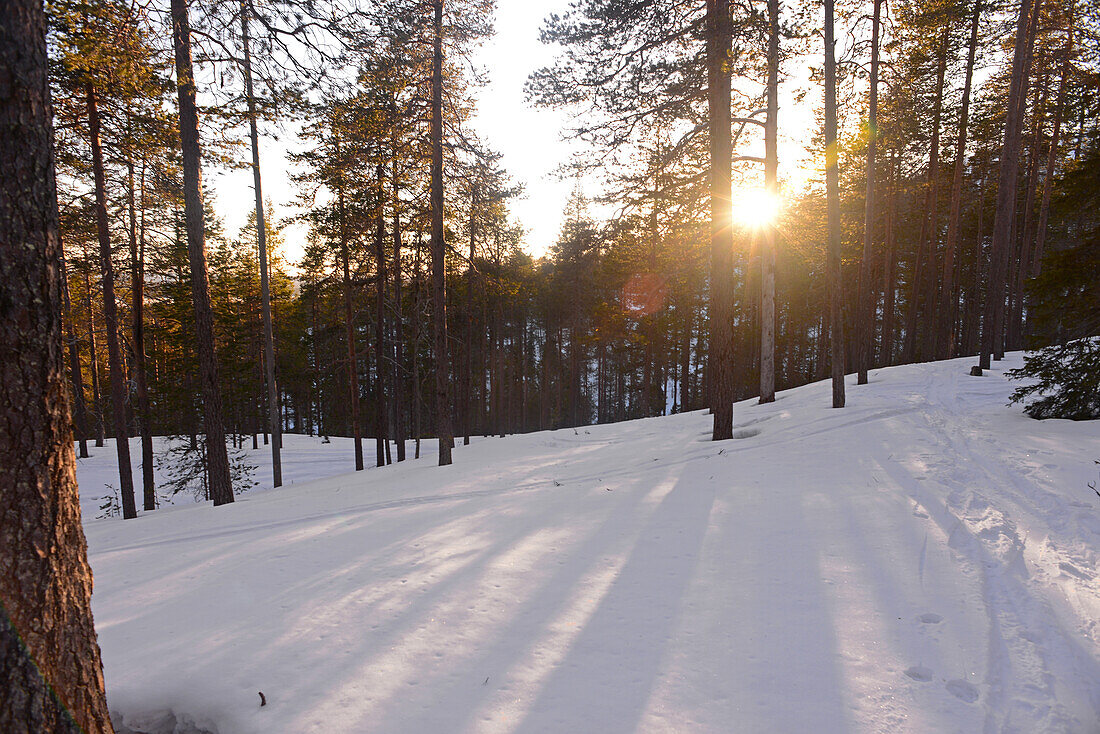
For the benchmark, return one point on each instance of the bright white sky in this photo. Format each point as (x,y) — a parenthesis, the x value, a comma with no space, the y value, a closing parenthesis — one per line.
(529,138)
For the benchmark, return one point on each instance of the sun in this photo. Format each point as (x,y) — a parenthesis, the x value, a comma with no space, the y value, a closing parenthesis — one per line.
(755,208)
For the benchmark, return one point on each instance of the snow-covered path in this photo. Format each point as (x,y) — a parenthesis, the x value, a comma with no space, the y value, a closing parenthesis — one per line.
(925,560)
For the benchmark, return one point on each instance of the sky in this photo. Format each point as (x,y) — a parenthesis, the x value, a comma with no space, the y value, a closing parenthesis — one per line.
(529,139)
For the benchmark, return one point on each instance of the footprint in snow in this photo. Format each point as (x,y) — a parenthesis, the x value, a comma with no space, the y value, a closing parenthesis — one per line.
(930,618)
(920,673)
(963,690)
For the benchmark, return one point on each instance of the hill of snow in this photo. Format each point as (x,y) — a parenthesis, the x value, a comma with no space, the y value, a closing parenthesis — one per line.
(924,560)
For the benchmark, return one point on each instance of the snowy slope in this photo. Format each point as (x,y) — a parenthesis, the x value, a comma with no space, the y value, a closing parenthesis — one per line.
(924,560)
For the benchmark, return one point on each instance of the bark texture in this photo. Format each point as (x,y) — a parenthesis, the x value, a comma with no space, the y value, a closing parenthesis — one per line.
(217,457)
(720,357)
(832,196)
(438,249)
(51,677)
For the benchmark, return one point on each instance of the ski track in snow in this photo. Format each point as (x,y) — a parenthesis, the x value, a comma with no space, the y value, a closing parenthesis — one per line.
(924,560)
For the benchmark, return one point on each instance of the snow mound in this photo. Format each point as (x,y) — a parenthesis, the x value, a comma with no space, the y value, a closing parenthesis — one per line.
(925,559)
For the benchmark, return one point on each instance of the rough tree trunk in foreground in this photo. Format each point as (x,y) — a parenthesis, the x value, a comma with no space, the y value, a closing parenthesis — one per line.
(439,303)
(217,457)
(51,677)
(832,196)
(720,358)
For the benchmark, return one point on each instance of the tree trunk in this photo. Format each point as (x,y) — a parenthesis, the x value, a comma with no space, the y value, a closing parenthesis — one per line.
(381,437)
(261,242)
(889,268)
(720,358)
(920,290)
(1035,265)
(945,313)
(137,296)
(51,677)
(832,195)
(110,313)
(77,379)
(1023,237)
(771,185)
(349,319)
(439,303)
(468,366)
(399,329)
(865,319)
(993,313)
(93,362)
(221,486)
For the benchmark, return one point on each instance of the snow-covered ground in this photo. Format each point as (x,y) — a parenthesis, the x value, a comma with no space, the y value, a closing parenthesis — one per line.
(924,560)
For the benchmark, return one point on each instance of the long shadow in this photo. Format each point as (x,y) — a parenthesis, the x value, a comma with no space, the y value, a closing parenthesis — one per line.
(533,617)
(606,679)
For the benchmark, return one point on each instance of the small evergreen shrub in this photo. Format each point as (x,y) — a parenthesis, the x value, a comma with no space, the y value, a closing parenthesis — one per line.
(1064,381)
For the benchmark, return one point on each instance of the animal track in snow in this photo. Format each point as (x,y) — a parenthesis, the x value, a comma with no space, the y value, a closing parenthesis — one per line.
(963,690)
(919,672)
(930,618)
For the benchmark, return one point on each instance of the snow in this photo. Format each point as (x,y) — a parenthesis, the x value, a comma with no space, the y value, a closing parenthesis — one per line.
(923,560)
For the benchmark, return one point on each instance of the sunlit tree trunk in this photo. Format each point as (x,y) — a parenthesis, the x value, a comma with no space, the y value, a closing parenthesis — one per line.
(51,676)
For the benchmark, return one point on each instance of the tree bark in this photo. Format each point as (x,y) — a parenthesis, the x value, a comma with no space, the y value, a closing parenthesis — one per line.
(77,380)
(720,357)
(217,457)
(865,320)
(438,248)
(832,195)
(919,289)
(138,368)
(770,233)
(945,320)
(381,437)
(51,676)
(1035,266)
(399,329)
(261,242)
(349,314)
(993,313)
(110,313)
(889,268)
